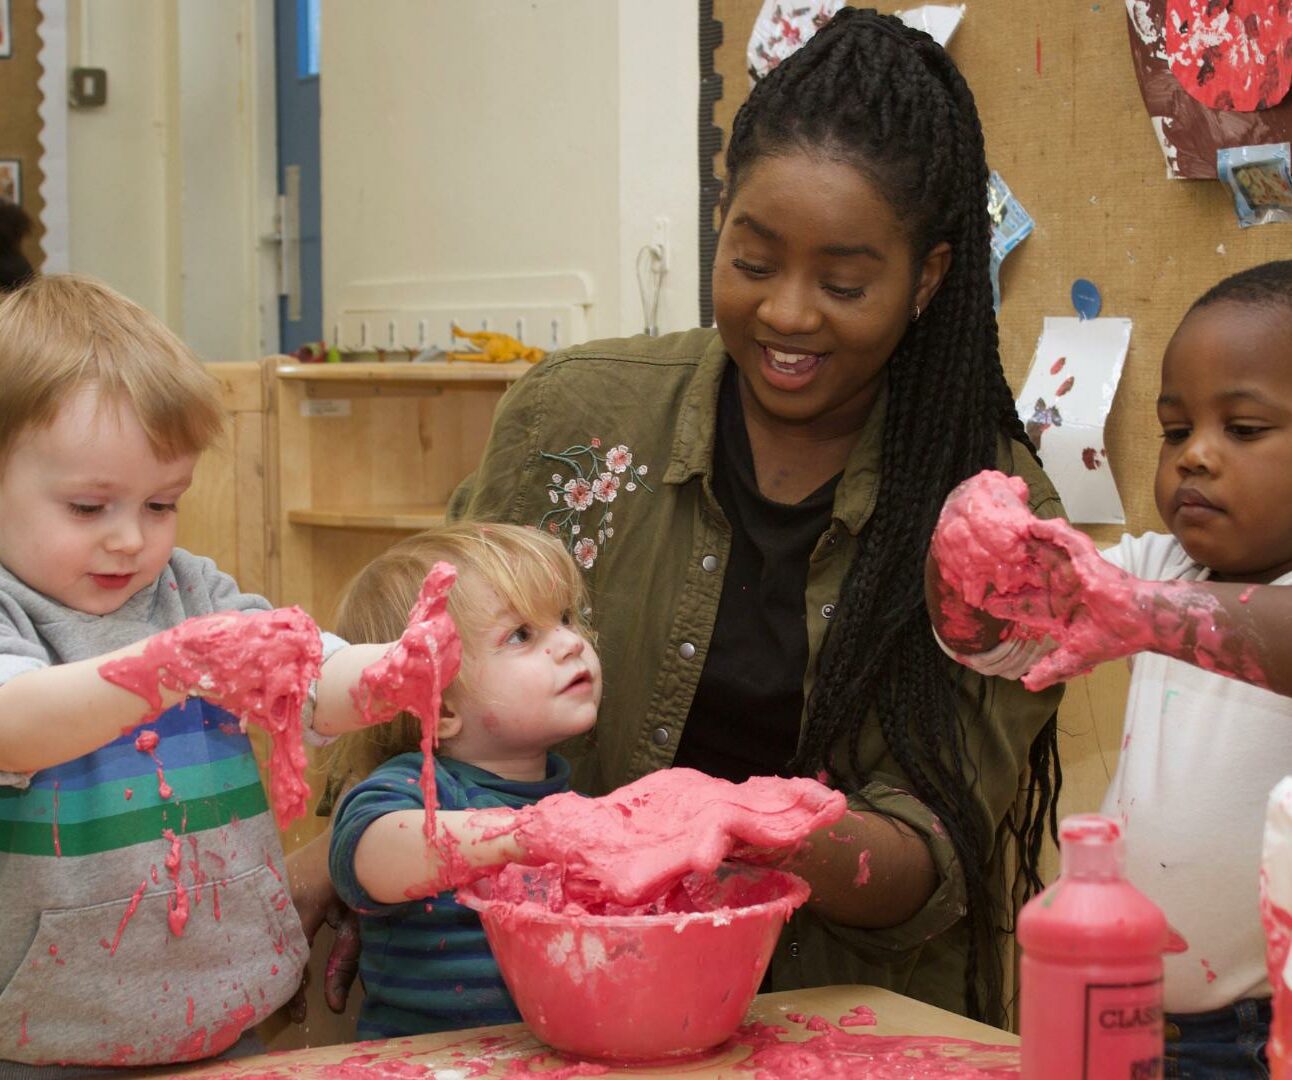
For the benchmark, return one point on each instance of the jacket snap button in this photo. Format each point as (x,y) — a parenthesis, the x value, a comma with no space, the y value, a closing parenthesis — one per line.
(827,611)
(709,563)
(659,736)
(686,650)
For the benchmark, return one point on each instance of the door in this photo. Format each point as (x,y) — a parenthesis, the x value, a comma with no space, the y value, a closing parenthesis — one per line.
(296,46)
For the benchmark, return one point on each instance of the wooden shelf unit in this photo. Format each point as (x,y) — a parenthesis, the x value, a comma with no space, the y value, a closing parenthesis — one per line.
(368,453)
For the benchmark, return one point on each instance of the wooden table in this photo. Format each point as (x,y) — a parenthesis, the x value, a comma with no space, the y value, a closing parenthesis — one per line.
(492,1051)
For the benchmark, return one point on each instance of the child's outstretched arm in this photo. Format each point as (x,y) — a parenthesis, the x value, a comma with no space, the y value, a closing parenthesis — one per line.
(992,565)
(52,715)
(394,863)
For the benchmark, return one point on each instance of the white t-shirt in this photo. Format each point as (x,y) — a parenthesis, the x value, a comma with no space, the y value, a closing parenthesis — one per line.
(1200,754)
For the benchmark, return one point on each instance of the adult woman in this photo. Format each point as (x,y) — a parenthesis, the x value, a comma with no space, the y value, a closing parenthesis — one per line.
(736,494)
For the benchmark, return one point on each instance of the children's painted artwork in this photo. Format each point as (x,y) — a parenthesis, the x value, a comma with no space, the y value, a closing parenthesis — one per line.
(1261,180)
(1209,79)
(1233,55)
(781,29)
(1010,226)
(1064,405)
(6,31)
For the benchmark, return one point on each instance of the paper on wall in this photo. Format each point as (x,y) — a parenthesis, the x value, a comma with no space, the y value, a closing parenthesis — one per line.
(781,29)
(939,21)
(1064,405)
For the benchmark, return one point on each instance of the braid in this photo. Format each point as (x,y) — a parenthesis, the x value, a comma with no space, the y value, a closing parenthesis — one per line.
(887,99)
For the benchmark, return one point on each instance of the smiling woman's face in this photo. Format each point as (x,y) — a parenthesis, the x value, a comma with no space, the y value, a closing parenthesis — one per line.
(814,284)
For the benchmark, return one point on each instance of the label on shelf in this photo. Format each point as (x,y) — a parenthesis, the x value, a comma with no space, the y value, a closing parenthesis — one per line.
(325,407)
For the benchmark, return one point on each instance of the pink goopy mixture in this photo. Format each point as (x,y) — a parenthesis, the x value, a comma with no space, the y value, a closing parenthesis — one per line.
(413,675)
(1047,579)
(257,665)
(626,852)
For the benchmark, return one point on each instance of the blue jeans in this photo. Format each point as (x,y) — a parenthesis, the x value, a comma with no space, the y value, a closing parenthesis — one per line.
(1219,1045)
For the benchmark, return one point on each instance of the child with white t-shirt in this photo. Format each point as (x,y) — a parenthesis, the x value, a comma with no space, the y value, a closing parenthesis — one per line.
(1200,751)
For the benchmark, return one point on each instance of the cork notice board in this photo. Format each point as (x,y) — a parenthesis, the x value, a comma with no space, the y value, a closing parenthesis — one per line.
(19,119)
(1066,128)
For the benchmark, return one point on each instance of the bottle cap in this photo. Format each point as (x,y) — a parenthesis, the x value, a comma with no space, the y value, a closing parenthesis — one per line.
(1091,847)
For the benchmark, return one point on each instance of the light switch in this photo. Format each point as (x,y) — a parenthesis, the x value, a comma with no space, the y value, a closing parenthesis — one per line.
(89,86)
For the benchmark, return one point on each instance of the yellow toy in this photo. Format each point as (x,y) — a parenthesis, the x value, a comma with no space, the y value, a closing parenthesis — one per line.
(495,348)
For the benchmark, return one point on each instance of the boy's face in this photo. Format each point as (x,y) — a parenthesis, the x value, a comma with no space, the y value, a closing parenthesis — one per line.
(531,687)
(87,511)
(1224,477)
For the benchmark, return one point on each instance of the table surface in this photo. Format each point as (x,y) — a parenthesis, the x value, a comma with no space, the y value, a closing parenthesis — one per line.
(511,1049)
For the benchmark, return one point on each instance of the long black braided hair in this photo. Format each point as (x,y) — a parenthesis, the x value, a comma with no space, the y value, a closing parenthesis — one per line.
(869,91)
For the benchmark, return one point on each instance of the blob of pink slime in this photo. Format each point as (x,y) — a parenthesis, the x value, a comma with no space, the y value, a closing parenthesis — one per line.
(626,851)
(258,665)
(1046,578)
(412,676)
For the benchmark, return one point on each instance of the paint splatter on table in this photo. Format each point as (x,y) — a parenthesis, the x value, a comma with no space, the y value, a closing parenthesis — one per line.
(806,1034)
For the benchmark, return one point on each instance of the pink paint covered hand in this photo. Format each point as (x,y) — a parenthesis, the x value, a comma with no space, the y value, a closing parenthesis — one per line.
(414,672)
(1045,579)
(1041,578)
(633,845)
(411,677)
(257,665)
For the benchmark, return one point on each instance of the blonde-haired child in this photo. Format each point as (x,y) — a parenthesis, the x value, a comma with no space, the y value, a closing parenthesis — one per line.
(146,915)
(530,678)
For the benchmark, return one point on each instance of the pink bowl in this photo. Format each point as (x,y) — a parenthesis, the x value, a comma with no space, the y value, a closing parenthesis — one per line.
(639,987)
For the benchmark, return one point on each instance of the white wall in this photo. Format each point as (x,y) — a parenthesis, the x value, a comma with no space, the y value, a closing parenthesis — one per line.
(170,182)
(117,154)
(466,141)
(496,137)
(659,98)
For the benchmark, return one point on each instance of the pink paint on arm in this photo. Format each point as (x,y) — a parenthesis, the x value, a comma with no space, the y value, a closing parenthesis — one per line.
(412,676)
(257,665)
(1047,579)
(863,868)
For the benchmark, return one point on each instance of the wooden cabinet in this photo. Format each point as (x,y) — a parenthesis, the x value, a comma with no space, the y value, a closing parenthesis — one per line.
(366,454)
(227,514)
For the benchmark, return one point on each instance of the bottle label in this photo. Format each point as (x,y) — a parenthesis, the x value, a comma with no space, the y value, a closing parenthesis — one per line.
(1123,1031)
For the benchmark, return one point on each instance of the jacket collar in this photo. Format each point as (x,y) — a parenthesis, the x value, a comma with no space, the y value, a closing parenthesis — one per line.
(697,421)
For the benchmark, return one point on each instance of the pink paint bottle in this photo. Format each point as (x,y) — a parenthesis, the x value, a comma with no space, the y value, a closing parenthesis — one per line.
(1091,973)
(1276,915)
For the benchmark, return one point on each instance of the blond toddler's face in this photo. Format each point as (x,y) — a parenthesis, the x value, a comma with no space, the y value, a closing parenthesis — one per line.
(87,511)
(532,687)
(1224,477)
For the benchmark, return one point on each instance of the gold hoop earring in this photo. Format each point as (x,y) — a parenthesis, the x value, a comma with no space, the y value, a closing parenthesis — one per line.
(916,316)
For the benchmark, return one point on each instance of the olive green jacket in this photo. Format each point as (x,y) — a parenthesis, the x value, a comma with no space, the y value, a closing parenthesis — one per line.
(610,445)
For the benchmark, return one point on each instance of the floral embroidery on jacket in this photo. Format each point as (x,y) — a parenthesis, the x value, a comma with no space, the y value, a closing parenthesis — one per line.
(590,480)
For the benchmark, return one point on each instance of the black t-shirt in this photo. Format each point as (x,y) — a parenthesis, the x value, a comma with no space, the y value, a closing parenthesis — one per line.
(744,719)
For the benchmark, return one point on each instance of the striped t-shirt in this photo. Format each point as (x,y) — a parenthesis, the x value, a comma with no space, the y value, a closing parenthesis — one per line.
(425,964)
(144,910)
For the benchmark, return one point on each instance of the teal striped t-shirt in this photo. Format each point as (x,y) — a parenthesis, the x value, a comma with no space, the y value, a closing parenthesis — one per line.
(425,964)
